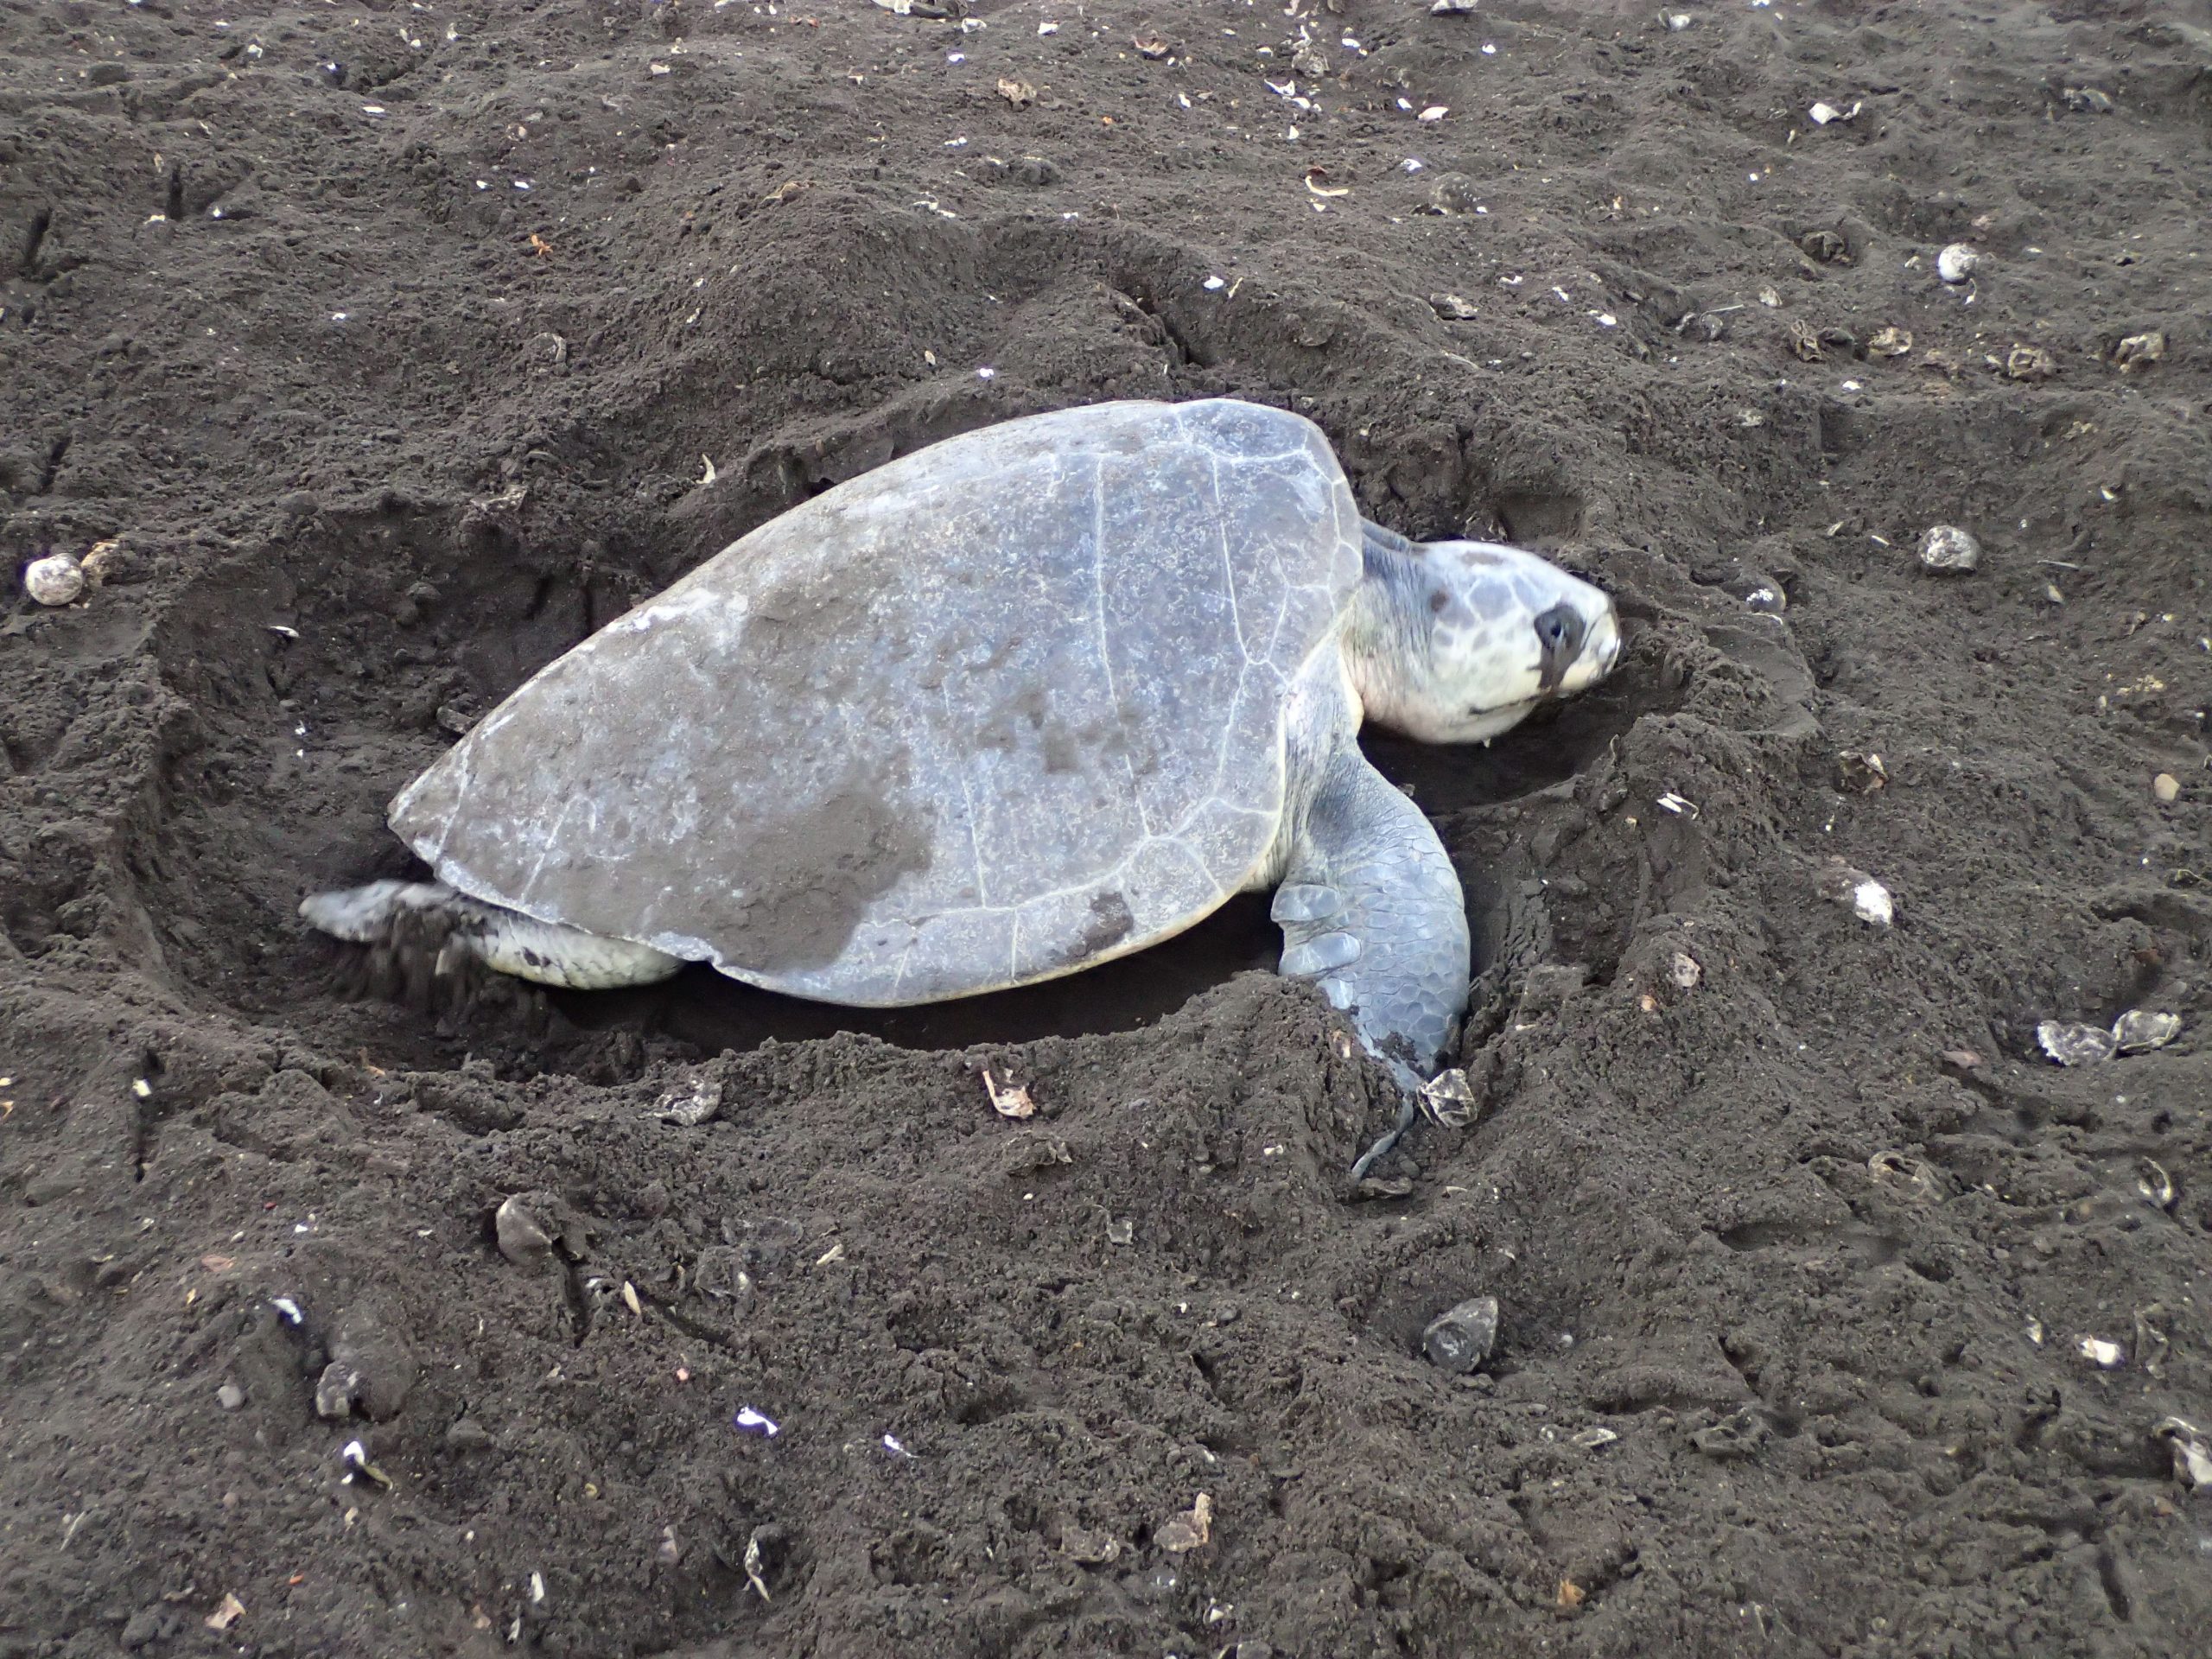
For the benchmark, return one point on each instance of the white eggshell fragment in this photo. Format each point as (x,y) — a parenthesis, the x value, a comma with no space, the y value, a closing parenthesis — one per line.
(2141,1029)
(54,579)
(2191,1450)
(1870,903)
(1949,550)
(1956,263)
(2075,1045)
(2108,1356)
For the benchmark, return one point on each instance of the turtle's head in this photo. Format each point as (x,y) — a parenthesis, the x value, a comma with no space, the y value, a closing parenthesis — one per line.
(1459,640)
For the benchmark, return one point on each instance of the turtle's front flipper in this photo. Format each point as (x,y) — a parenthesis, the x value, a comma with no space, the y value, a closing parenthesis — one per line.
(461,928)
(1371,911)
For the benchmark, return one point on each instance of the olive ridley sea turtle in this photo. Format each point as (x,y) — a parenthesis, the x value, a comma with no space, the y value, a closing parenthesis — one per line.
(1019,703)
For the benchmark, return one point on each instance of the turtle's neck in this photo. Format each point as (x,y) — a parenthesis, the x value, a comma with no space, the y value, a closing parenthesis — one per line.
(1385,624)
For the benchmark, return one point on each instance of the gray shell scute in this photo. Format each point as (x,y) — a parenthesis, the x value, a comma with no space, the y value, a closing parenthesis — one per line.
(995,710)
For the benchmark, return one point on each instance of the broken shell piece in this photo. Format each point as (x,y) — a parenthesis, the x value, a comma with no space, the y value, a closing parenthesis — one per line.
(2073,1044)
(2154,1184)
(1890,342)
(1949,550)
(1840,884)
(355,1457)
(1685,971)
(1091,1549)
(1452,7)
(1826,246)
(1451,306)
(230,1610)
(2030,363)
(1434,113)
(1956,263)
(1461,1338)
(2151,1344)
(1871,904)
(1190,1530)
(1860,771)
(523,1238)
(57,579)
(1151,46)
(2106,1355)
(2140,1030)
(1822,114)
(690,1107)
(1591,1438)
(755,1423)
(2138,350)
(1449,1099)
(1011,1100)
(2190,1448)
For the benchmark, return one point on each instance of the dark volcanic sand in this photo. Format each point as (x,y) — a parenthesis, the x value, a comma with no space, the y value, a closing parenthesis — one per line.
(379,430)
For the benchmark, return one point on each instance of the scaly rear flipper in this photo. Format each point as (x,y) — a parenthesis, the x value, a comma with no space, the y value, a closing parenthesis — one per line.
(462,930)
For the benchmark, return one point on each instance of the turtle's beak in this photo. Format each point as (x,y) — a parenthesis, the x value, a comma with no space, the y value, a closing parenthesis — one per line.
(1604,646)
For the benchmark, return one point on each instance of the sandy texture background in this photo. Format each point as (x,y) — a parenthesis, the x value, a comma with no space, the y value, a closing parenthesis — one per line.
(388,350)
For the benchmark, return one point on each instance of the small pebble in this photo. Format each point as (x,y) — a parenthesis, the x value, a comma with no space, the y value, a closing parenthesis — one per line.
(230,1396)
(2167,788)
(335,1391)
(1861,771)
(1459,1339)
(523,1238)
(1956,263)
(467,1435)
(1949,550)
(54,580)
(2138,350)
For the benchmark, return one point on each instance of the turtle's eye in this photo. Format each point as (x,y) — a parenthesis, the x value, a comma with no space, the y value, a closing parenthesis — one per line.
(1559,630)
(1558,636)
